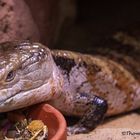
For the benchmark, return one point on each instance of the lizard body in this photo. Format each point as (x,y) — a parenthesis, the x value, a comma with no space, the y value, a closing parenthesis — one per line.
(75,83)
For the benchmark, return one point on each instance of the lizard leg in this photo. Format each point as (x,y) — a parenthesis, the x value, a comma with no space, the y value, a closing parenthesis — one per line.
(94,114)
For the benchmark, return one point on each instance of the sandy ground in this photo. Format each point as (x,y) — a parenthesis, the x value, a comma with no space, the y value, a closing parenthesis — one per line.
(124,127)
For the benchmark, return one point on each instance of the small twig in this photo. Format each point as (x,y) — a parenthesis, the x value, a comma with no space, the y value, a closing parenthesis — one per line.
(35,135)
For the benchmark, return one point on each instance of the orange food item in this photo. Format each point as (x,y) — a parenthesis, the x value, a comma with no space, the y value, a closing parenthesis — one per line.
(35,125)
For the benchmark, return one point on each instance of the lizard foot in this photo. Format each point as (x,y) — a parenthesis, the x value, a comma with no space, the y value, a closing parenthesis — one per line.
(76,129)
(96,110)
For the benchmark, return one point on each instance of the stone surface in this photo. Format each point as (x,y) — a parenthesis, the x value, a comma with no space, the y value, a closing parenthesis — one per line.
(49,16)
(34,19)
(16,22)
(125,127)
(46,15)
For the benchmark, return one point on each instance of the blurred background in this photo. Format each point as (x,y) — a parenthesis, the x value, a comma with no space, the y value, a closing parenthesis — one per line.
(68,24)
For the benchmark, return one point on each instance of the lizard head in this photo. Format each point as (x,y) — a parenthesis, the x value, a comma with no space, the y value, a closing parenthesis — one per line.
(25,74)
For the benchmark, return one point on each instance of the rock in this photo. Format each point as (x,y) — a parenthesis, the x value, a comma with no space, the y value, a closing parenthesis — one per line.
(50,15)
(46,16)
(16,22)
(126,127)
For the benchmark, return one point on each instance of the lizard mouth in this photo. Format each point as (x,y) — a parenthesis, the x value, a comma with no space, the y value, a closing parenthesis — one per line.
(19,94)
(10,99)
(26,98)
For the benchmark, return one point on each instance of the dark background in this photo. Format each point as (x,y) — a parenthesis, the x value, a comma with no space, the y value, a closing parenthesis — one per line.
(96,21)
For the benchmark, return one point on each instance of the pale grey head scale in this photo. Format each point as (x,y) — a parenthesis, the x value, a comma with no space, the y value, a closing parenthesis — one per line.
(24,67)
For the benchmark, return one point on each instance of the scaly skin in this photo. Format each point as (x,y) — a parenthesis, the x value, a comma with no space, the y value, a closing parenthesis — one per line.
(103,77)
(76,84)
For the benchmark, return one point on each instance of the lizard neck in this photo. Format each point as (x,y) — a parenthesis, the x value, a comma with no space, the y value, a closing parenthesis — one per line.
(57,82)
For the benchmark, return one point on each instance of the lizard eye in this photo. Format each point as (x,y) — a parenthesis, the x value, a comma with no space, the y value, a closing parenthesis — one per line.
(10,76)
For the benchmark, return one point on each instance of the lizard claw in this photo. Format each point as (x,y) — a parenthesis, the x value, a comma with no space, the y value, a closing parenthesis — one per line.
(71,130)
